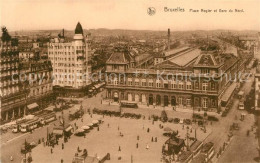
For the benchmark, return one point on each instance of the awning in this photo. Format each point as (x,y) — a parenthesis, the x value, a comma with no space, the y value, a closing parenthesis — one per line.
(50,108)
(68,129)
(116,95)
(241,93)
(95,121)
(128,102)
(57,132)
(97,86)
(32,106)
(228,92)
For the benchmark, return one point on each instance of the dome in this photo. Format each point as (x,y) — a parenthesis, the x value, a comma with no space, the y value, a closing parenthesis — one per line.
(78,29)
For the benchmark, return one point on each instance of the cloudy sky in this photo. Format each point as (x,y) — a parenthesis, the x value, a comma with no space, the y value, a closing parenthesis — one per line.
(128,14)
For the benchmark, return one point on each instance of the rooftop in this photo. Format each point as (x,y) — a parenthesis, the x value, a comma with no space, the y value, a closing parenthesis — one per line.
(175,50)
(185,58)
(119,58)
(78,29)
(195,145)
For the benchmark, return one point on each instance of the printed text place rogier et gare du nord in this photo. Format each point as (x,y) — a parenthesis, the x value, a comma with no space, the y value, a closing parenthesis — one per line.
(180,9)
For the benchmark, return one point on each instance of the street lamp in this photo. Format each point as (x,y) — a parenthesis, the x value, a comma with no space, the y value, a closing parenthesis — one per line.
(187,137)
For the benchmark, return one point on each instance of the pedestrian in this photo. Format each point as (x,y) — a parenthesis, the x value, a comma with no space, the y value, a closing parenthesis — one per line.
(51,151)
(61,160)
(152,139)
(137,137)
(183,127)
(155,139)
(81,119)
(118,128)
(136,145)
(98,128)
(147,146)
(148,130)
(62,146)
(108,125)
(119,149)
(11,158)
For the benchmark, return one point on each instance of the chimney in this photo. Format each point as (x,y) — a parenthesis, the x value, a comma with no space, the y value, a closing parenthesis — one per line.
(169,35)
(63,32)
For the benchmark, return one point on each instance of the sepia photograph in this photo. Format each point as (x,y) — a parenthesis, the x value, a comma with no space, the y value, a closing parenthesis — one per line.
(129,81)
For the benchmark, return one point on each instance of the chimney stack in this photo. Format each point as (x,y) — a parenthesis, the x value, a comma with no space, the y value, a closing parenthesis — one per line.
(63,32)
(169,35)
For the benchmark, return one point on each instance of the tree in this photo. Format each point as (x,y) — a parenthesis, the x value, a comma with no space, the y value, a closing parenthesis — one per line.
(164,117)
(14,42)
(5,35)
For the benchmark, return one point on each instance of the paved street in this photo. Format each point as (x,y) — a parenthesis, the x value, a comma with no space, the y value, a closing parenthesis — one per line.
(107,140)
(242,147)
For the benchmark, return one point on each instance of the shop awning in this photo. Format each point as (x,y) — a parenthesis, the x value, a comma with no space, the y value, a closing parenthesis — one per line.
(57,132)
(68,129)
(32,106)
(50,108)
(128,102)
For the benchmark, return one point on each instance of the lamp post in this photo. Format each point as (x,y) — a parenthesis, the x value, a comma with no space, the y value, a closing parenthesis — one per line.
(187,137)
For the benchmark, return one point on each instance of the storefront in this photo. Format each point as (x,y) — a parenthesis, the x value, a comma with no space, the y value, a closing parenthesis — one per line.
(115,96)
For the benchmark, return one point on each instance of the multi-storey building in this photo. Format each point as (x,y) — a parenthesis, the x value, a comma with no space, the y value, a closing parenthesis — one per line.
(12,93)
(70,62)
(25,80)
(38,75)
(200,80)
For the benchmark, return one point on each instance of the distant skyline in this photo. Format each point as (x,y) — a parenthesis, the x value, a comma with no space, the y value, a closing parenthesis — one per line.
(127,14)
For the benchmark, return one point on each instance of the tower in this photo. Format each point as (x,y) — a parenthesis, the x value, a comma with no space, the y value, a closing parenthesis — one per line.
(169,37)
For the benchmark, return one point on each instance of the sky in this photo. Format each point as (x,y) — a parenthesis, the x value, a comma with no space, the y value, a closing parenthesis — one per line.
(128,14)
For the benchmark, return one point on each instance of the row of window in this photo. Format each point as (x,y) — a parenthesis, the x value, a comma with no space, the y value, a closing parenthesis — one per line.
(61,59)
(69,71)
(68,64)
(8,73)
(70,83)
(175,85)
(66,47)
(67,76)
(9,65)
(42,90)
(9,91)
(50,53)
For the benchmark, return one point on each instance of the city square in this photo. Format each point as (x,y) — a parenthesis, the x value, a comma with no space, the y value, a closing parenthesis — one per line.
(120,81)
